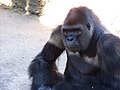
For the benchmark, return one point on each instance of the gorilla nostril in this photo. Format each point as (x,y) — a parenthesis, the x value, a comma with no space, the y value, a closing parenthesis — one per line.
(70,39)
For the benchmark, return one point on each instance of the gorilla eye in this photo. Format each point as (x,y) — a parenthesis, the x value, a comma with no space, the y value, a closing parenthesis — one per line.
(88,26)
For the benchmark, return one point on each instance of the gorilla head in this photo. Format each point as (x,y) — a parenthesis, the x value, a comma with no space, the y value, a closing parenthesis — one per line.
(77,29)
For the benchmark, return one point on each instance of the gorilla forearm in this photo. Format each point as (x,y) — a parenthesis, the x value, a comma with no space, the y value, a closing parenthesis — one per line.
(43,69)
(50,52)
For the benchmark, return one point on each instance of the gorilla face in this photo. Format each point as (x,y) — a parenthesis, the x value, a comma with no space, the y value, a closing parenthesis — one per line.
(77,31)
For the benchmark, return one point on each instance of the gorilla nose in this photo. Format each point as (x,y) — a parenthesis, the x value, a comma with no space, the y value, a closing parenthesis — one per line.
(71,39)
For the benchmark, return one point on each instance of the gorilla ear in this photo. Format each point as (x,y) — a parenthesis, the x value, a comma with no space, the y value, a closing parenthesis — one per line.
(88,26)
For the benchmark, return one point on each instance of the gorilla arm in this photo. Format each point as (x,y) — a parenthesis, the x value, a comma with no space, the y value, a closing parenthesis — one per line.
(42,69)
(109,56)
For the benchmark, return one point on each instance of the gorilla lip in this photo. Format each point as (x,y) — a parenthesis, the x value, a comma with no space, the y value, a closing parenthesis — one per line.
(74,48)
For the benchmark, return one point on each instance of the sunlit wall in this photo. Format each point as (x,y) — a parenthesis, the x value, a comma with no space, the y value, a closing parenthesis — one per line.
(6,2)
(56,10)
(107,10)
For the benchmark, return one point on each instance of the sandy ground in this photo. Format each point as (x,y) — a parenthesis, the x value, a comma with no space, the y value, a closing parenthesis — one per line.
(21,39)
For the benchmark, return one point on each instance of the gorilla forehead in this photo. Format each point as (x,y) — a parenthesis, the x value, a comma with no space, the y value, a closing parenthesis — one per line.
(76,16)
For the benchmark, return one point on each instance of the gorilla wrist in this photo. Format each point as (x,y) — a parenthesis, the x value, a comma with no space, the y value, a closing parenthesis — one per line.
(42,60)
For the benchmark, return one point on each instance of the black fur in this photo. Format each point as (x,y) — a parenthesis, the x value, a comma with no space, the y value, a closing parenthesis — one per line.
(43,68)
(95,68)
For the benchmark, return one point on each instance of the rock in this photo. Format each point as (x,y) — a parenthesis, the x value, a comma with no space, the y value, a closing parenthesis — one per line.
(27,6)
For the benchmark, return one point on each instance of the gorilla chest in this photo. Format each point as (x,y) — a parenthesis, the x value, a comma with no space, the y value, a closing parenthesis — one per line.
(84,64)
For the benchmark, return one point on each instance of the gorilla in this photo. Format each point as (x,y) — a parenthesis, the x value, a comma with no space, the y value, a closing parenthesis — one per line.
(93,56)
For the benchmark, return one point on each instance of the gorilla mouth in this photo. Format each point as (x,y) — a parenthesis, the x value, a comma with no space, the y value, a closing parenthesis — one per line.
(73,48)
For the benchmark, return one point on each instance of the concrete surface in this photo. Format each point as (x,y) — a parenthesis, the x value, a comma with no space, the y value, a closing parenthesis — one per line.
(21,39)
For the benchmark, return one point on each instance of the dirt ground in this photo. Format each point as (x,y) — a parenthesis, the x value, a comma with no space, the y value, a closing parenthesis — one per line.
(21,39)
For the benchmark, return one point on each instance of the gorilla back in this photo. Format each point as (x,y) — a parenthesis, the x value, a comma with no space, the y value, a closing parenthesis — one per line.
(93,56)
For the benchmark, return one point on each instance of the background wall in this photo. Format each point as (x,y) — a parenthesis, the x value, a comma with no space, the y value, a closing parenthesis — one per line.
(55,11)
(107,10)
